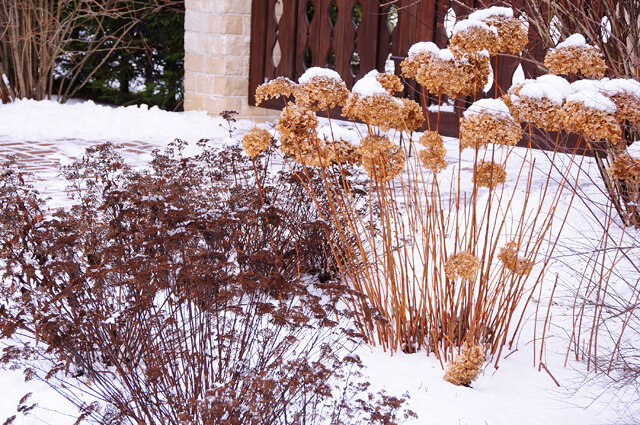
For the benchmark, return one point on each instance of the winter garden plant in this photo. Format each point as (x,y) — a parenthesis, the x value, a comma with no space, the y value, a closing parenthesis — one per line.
(448,263)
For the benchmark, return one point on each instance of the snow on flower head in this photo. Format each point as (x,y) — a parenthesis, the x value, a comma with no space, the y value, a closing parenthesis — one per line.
(368,86)
(588,85)
(593,100)
(482,14)
(423,47)
(576,40)
(620,85)
(318,72)
(471,37)
(465,24)
(575,56)
(494,107)
(560,85)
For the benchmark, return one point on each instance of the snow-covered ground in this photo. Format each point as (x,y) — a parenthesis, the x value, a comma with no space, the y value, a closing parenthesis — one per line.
(45,134)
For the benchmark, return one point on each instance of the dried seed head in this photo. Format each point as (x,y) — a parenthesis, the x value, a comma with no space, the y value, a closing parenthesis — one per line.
(489,174)
(390,82)
(419,54)
(627,108)
(380,110)
(411,117)
(453,78)
(539,101)
(512,35)
(488,121)
(471,37)
(509,257)
(432,156)
(593,115)
(256,141)
(627,169)
(381,158)
(321,93)
(344,153)
(275,88)
(575,56)
(466,367)
(462,264)
(298,137)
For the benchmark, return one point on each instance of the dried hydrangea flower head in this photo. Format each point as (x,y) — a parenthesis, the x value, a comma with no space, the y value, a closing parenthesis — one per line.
(281,86)
(411,116)
(432,156)
(575,56)
(419,54)
(463,264)
(391,83)
(466,367)
(592,114)
(371,103)
(540,101)
(444,74)
(344,153)
(509,256)
(320,89)
(470,37)
(297,127)
(488,121)
(627,169)
(381,158)
(625,94)
(512,34)
(489,174)
(256,141)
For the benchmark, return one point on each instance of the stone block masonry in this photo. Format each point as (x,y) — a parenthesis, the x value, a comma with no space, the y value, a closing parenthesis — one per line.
(216,63)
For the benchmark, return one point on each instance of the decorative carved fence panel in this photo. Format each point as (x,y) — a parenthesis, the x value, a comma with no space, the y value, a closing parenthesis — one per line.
(355,36)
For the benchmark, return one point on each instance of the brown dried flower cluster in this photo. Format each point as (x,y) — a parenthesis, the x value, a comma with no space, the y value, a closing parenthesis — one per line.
(454,78)
(381,158)
(542,112)
(432,156)
(379,110)
(256,141)
(584,60)
(410,65)
(321,93)
(592,123)
(478,130)
(512,35)
(411,116)
(390,82)
(281,86)
(473,40)
(509,256)
(345,153)
(626,168)
(462,264)
(628,108)
(489,174)
(466,367)
(298,137)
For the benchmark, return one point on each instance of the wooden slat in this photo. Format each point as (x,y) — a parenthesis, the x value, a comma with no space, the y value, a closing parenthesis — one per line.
(368,31)
(257,47)
(287,36)
(344,39)
(270,40)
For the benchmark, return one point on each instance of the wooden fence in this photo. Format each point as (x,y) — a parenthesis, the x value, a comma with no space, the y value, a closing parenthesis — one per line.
(355,36)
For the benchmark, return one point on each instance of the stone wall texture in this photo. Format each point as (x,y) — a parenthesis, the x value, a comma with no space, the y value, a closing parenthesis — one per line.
(216,65)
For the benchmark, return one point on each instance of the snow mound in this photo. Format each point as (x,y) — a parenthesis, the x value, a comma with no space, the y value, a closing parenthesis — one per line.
(593,100)
(465,24)
(318,72)
(495,107)
(576,40)
(423,47)
(368,86)
(481,15)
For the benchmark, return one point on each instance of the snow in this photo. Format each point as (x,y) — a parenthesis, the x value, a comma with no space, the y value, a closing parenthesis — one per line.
(516,393)
(465,24)
(539,90)
(621,85)
(560,84)
(588,85)
(316,71)
(593,100)
(446,55)
(489,106)
(423,47)
(483,14)
(575,40)
(368,86)
(634,150)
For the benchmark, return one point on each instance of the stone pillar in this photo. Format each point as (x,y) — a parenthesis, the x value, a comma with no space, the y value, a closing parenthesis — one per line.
(216,63)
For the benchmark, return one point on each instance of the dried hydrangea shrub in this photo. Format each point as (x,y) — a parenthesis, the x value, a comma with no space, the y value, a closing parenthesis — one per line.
(593,115)
(391,83)
(378,110)
(509,256)
(381,158)
(321,93)
(466,367)
(433,154)
(281,86)
(471,37)
(575,56)
(411,116)
(489,174)
(419,54)
(256,141)
(463,264)
(626,168)
(512,35)
(488,121)
(445,75)
(345,153)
